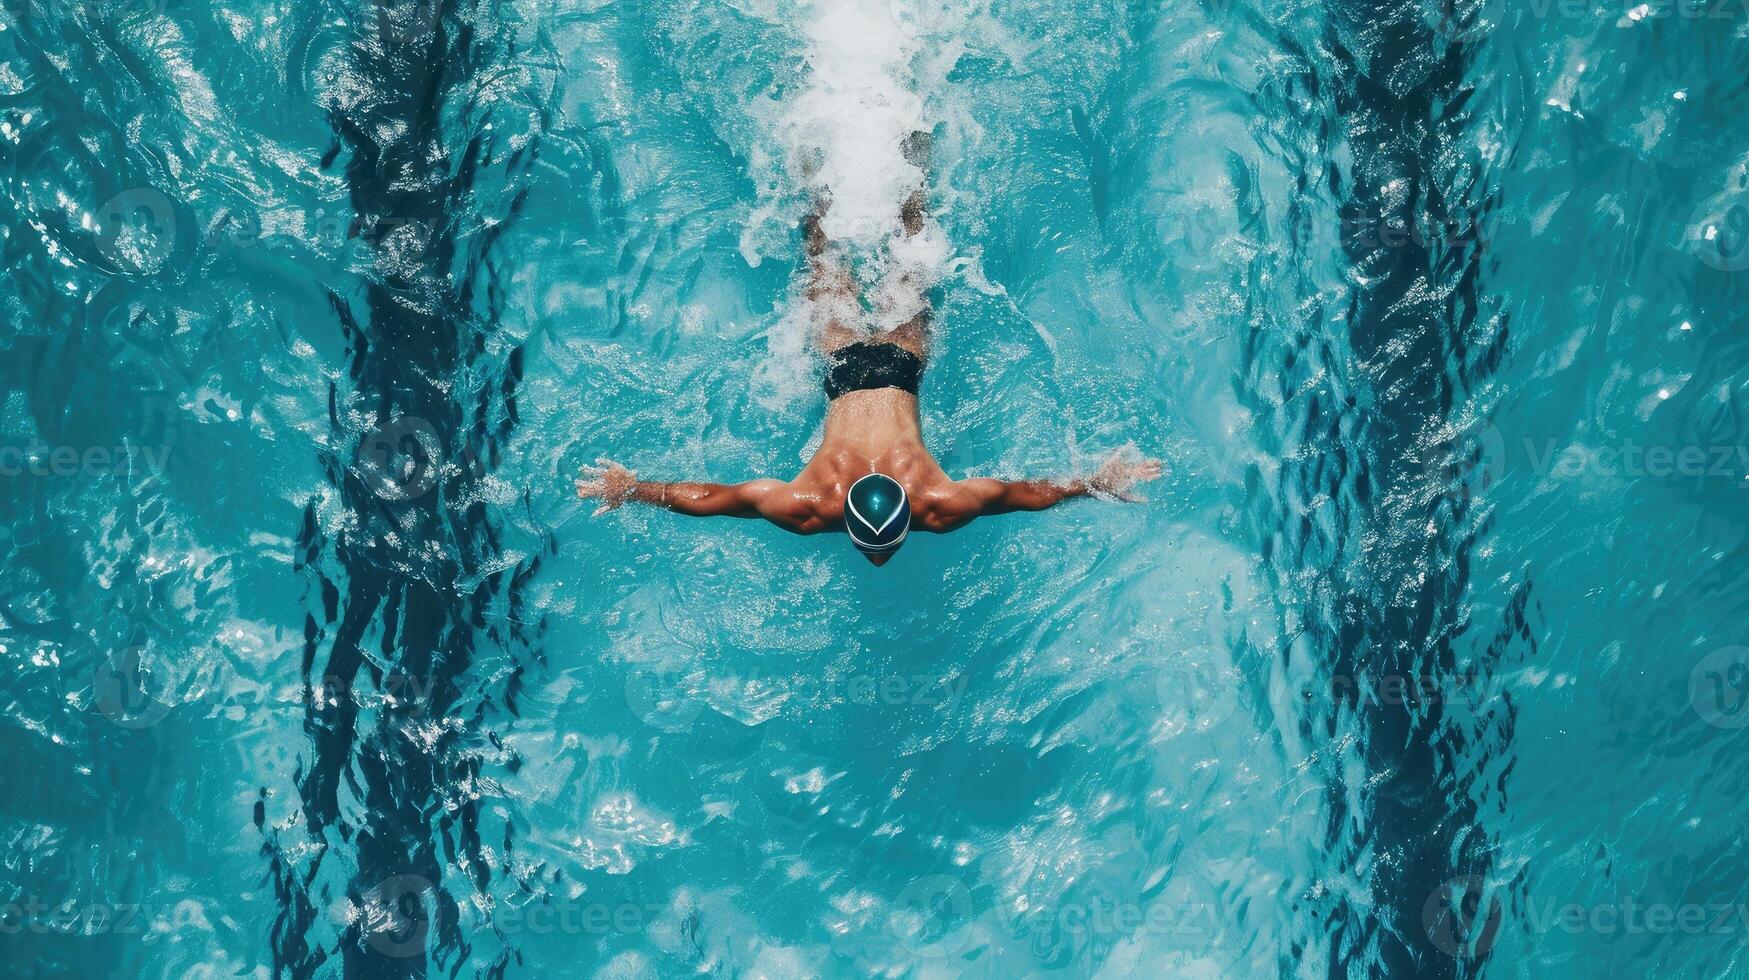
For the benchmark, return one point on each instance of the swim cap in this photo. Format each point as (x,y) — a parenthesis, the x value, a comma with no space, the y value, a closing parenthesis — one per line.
(877,514)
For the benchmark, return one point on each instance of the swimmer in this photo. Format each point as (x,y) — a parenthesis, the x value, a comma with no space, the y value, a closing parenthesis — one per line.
(872,476)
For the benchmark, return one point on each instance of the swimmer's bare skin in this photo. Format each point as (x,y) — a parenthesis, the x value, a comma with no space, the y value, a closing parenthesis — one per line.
(868,431)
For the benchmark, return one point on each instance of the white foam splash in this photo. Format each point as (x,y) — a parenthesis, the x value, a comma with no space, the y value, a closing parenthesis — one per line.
(852,118)
(842,136)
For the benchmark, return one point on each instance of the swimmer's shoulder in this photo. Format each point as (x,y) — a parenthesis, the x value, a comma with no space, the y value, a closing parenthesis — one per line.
(943,504)
(810,504)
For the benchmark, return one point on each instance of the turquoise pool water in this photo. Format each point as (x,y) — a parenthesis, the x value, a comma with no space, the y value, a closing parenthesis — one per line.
(1424,659)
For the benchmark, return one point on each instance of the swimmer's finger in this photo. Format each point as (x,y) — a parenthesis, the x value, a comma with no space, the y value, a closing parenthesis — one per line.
(604,508)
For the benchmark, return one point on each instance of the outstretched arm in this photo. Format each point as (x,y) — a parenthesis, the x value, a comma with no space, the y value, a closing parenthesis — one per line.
(1008,496)
(614,485)
(1115,479)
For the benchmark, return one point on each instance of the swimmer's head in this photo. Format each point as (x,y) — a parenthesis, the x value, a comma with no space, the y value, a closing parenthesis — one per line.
(878,516)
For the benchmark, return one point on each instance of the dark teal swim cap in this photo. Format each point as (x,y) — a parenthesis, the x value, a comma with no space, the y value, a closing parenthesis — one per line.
(877,514)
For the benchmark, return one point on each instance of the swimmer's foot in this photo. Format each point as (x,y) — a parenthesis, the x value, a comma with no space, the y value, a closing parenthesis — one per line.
(916,148)
(912,213)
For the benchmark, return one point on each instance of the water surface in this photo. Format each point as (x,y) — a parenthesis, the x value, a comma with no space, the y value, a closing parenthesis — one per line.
(1422,660)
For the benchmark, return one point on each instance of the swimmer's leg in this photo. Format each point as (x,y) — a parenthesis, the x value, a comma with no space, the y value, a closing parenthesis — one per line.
(913,334)
(831,287)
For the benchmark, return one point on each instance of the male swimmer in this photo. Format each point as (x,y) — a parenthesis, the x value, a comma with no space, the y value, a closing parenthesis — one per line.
(872,476)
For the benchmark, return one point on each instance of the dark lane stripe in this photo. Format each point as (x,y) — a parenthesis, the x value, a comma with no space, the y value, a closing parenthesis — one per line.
(402,602)
(1361,400)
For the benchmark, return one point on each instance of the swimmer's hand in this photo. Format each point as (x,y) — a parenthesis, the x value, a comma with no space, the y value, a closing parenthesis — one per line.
(608,482)
(1118,476)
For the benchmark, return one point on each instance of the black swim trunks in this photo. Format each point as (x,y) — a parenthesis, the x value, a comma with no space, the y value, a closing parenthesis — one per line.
(861,366)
